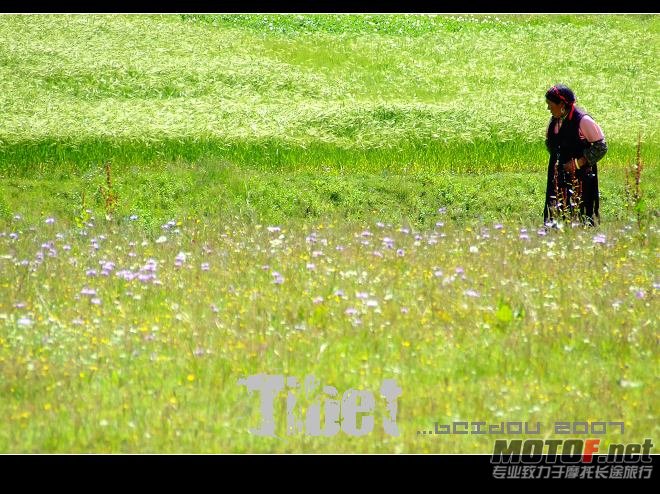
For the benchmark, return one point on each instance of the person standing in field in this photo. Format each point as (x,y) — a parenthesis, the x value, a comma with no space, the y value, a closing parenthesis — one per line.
(576,143)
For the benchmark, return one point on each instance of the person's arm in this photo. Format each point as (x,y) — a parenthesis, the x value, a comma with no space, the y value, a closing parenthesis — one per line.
(594,153)
(597,145)
(594,135)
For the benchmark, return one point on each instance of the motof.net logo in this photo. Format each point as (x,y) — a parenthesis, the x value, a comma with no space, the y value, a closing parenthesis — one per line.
(531,451)
(353,413)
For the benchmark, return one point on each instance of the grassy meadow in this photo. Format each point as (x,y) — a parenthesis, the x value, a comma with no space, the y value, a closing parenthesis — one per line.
(188,200)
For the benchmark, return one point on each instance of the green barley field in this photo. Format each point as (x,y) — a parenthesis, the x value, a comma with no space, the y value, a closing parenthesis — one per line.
(190,200)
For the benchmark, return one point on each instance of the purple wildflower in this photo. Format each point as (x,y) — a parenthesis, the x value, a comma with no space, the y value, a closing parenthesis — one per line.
(278,279)
(205,266)
(311,238)
(150,266)
(600,239)
(50,221)
(126,274)
(107,265)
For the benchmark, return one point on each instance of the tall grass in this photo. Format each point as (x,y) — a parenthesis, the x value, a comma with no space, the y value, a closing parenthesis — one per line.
(226,191)
(445,92)
(113,339)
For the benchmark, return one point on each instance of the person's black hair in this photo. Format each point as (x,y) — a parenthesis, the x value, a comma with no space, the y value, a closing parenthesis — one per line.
(560,93)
